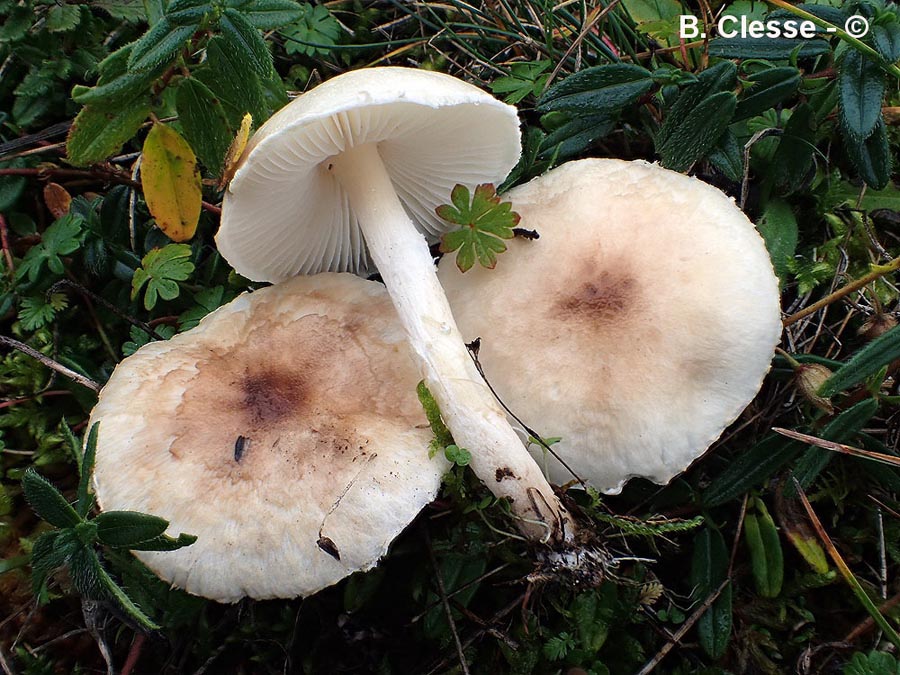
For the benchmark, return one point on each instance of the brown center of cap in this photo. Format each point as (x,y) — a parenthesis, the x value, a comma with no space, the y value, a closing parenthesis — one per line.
(598,297)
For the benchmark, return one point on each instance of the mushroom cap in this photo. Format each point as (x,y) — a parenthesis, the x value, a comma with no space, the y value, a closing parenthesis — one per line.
(638,326)
(315,376)
(285,214)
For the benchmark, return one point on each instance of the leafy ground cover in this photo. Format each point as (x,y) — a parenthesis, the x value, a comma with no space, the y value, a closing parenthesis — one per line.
(772,554)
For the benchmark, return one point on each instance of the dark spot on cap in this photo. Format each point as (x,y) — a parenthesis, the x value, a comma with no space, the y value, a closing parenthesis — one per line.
(329,547)
(240,445)
(270,396)
(603,296)
(504,473)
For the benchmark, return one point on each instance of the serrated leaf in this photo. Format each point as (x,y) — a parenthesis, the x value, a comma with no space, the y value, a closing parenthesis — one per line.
(160,270)
(230,76)
(598,90)
(85,500)
(128,528)
(778,227)
(575,135)
(727,156)
(525,79)
(313,33)
(688,139)
(98,132)
(126,10)
(116,84)
(766,89)
(861,85)
(159,45)
(794,156)
(47,502)
(887,40)
(769,49)
(864,363)
(204,123)
(240,35)
(709,568)
(188,12)
(61,18)
(171,182)
(872,157)
(60,239)
(272,14)
(485,221)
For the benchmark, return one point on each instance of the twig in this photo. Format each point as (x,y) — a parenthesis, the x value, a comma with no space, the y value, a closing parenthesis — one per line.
(16,401)
(869,623)
(50,363)
(841,448)
(683,629)
(865,280)
(4,238)
(133,654)
(147,328)
(7,669)
(443,591)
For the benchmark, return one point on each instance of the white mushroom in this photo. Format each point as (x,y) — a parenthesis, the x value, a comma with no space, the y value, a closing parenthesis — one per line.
(284,431)
(638,326)
(368,156)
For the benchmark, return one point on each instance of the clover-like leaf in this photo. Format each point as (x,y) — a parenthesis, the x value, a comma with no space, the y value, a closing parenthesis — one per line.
(60,239)
(485,221)
(161,270)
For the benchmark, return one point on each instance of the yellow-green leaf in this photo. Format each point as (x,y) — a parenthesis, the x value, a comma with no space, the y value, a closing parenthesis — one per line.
(171,182)
(235,150)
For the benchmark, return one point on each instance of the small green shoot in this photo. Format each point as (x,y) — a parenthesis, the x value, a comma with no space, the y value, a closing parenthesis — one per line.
(161,270)
(442,437)
(74,543)
(457,455)
(485,221)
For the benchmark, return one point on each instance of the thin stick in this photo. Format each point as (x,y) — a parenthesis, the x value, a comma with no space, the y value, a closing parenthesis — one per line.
(683,629)
(875,274)
(443,591)
(133,654)
(842,448)
(50,363)
(146,327)
(16,401)
(4,238)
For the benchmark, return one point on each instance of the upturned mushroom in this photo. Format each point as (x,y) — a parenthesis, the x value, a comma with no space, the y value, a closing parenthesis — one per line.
(283,431)
(638,326)
(353,170)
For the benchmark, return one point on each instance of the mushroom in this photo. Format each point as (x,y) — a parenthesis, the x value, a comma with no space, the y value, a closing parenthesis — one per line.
(354,169)
(283,431)
(638,326)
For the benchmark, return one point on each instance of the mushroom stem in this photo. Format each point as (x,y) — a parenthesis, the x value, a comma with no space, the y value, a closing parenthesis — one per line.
(469,410)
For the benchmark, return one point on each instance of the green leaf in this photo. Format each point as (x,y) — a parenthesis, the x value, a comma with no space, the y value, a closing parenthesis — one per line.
(204,123)
(768,49)
(766,555)
(272,14)
(524,79)
(794,156)
(160,45)
(61,18)
(126,10)
(598,90)
(727,157)
(485,221)
(17,23)
(98,132)
(128,528)
(778,227)
(313,33)
(751,469)
(861,84)
(433,415)
(593,614)
(864,363)
(766,89)
(160,270)
(457,455)
(873,663)
(689,138)
(47,501)
(709,568)
(11,187)
(240,35)
(116,85)
(36,312)
(60,239)
(872,157)
(887,40)
(50,551)
(85,500)
(575,135)
(164,543)
(231,78)
(188,12)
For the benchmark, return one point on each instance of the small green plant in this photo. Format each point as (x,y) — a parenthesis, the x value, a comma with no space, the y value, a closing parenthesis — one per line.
(485,219)
(161,270)
(76,540)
